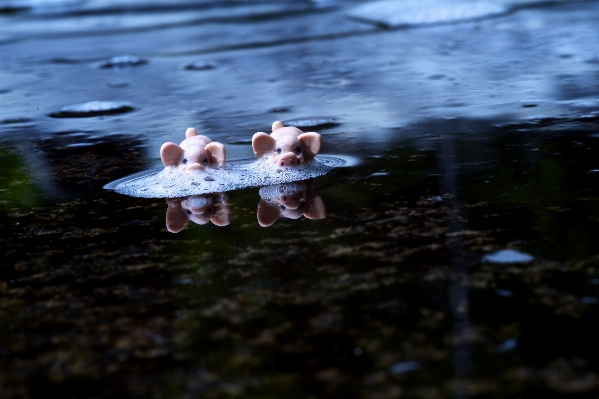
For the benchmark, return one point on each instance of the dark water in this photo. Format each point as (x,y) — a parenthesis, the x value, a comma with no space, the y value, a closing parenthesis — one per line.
(474,137)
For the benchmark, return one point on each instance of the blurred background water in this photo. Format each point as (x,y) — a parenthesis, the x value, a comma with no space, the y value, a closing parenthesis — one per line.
(457,258)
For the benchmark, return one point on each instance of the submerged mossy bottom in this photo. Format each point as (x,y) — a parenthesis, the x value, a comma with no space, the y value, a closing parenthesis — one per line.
(386,297)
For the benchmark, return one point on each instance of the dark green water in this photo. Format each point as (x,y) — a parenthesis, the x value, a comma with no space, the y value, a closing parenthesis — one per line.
(100,299)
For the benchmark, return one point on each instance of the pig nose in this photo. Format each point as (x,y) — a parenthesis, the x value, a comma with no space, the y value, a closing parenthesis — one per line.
(291,202)
(194,166)
(288,159)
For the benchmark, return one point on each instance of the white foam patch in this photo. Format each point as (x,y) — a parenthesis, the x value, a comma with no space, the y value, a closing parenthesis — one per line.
(172,182)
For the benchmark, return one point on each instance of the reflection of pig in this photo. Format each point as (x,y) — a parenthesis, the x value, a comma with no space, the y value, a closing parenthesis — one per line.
(286,146)
(195,152)
(290,200)
(200,209)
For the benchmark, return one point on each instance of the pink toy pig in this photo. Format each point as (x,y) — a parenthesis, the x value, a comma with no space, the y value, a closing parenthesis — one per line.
(286,146)
(200,209)
(290,200)
(195,152)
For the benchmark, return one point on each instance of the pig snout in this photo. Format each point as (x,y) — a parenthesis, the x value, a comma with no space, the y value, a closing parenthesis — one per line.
(193,166)
(288,159)
(290,201)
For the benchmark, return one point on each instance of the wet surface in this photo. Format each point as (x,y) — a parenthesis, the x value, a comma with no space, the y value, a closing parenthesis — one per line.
(457,258)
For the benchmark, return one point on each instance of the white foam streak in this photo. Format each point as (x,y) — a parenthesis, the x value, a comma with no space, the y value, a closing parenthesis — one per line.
(172,182)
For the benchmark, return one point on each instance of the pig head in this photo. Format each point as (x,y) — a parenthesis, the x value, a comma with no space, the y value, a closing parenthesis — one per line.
(194,153)
(286,146)
(290,200)
(200,209)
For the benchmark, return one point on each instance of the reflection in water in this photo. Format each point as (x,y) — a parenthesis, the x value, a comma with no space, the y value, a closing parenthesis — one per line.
(460,261)
(200,209)
(290,200)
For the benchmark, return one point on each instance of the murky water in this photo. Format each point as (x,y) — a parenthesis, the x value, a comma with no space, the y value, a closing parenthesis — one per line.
(453,254)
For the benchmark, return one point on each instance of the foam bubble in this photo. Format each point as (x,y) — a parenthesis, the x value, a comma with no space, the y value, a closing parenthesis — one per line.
(200,66)
(171,182)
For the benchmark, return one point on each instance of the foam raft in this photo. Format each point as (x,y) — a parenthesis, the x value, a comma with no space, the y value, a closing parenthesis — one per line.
(171,182)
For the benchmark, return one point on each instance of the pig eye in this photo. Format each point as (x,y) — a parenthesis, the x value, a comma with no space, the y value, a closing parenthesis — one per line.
(282,206)
(298,150)
(278,150)
(188,211)
(205,160)
(184,160)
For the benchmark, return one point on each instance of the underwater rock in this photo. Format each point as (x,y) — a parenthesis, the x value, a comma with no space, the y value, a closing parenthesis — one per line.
(507,256)
(280,109)
(404,367)
(200,66)
(92,108)
(10,121)
(394,14)
(123,61)
(316,122)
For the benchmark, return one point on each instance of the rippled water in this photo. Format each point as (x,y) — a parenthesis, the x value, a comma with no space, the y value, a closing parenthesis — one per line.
(444,247)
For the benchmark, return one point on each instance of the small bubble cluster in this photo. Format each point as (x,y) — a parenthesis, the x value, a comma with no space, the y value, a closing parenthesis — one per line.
(172,182)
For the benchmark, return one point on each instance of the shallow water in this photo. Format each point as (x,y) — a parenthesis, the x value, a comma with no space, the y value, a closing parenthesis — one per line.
(457,258)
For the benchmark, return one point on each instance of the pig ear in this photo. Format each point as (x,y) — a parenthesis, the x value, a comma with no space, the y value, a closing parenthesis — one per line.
(315,209)
(176,217)
(267,214)
(190,132)
(218,153)
(171,154)
(277,125)
(262,143)
(311,143)
(221,214)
